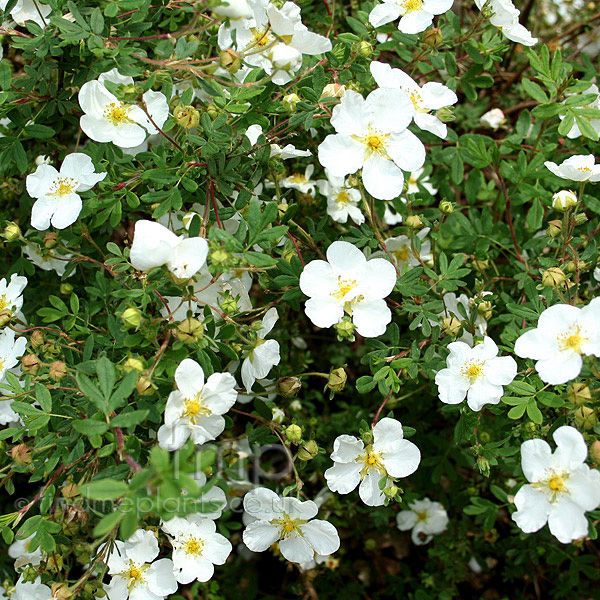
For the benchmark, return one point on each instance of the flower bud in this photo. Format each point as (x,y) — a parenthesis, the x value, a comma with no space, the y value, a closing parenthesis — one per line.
(219,257)
(229,59)
(145,387)
(58,370)
(446,114)
(278,415)
(190,331)
(5,317)
(289,386)
(37,339)
(290,101)
(485,437)
(481,265)
(131,317)
(50,240)
(133,364)
(433,37)
(580,219)
(308,451)
(228,303)
(187,117)
(554,228)
(553,277)
(30,363)
(585,417)
(573,267)
(294,434)
(391,491)
(578,393)
(333,90)
(12,232)
(370,544)
(365,49)
(295,405)
(21,454)
(345,329)
(451,326)
(337,380)
(564,200)
(595,452)
(61,591)
(493,118)
(212,110)
(485,309)
(70,490)
(414,222)
(446,207)
(66,289)
(483,465)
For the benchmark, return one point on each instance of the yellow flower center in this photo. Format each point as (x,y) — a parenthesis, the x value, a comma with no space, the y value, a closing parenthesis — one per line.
(117,114)
(472,370)
(572,339)
(193,546)
(195,408)
(261,37)
(583,169)
(374,141)
(288,526)
(371,460)
(554,484)
(416,99)
(298,178)
(422,515)
(412,5)
(63,186)
(343,197)
(3,303)
(402,254)
(344,286)
(134,574)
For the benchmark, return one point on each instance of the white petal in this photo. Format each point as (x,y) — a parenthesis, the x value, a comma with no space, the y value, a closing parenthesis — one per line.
(501,370)
(406,519)
(350,116)
(567,520)
(415,21)
(296,549)
(262,503)
(431,123)
(341,154)
(141,547)
(172,437)
(343,477)
(161,580)
(390,109)
(536,457)
(384,13)
(377,279)
(560,368)
(371,317)
(189,377)
(38,184)
(406,150)
(260,535)
(402,460)
(322,536)
(317,279)
(189,257)
(369,491)
(532,509)
(324,312)
(571,449)
(483,392)
(382,178)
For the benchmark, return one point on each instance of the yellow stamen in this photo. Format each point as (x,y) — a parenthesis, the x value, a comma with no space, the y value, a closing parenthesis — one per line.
(117,114)
(412,5)
(371,460)
(572,339)
(344,286)
(472,370)
(422,516)
(402,254)
(287,526)
(261,37)
(298,178)
(63,186)
(343,197)
(134,574)
(193,546)
(195,408)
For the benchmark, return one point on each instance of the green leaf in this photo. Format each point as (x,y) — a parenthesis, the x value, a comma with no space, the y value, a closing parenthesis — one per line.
(107,523)
(42,395)
(89,426)
(92,392)
(534,90)
(123,391)
(103,489)
(135,417)
(107,375)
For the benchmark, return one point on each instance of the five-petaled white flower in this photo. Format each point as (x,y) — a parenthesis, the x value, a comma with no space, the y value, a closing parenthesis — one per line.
(57,200)
(136,575)
(388,456)
(348,283)
(197,548)
(342,200)
(580,167)
(195,408)
(505,16)
(561,488)
(265,353)
(404,253)
(289,522)
(300,181)
(563,335)
(430,97)
(107,119)
(154,245)
(372,135)
(477,373)
(425,518)
(10,350)
(415,15)
(11,293)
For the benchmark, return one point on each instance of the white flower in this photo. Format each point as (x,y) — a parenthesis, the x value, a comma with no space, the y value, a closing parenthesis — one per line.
(503,15)
(19,550)
(136,574)
(477,373)
(28,10)
(425,518)
(300,182)
(278,415)
(342,200)
(233,9)
(31,590)
(154,245)
(403,252)
(348,283)
(197,548)
(561,488)
(388,456)
(563,335)
(564,200)
(57,200)
(372,135)
(579,167)
(11,294)
(415,15)
(215,497)
(289,522)
(42,159)
(493,118)
(575,132)
(195,408)
(265,354)
(47,260)
(10,350)
(432,96)
(107,119)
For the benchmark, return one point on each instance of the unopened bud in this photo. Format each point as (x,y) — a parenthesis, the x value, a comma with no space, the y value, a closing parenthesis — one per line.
(70,490)
(433,37)
(50,240)
(564,200)
(446,114)
(145,387)
(365,49)
(579,393)
(446,207)
(290,101)
(580,218)
(131,317)
(133,364)
(414,222)
(187,117)
(190,331)
(554,228)
(229,59)
(595,452)
(289,386)
(61,591)
(333,90)
(30,363)
(391,491)
(294,434)
(37,339)
(66,289)
(308,451)
(370,544)
(277,415)
(58,370)
(219,257)
(12,232)
(228,304)
(573,267)
(212,110)
(295,405)
(21,454)
(553,277)
(451,326)
(485,309)
(337,380)
(483,465)
(481,265)
(5,317)
(345,329)
(585,417)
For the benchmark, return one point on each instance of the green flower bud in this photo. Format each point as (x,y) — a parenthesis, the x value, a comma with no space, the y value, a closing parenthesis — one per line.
(585,417)
(414,222)
(391,491)
(21,454)
(446,114)
(145,387)
(58,370)
(131,317)
(50,240)
(483,465)
(579,393)
(553,277)
(190,331)
(365,49)
(446,207)
(289,386)
(290,101)
(187,116)
(485,309)
(580,219)
(564,200)
(337,380)
(30,364)
(595,452)
(308,451)
(230,60)
(554,228)
(12,232)
(294,434)
(66,289)
(133,364)
(433,37)
(370,544)
(345,329)
(451,326)
(5,317)
(228,303)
